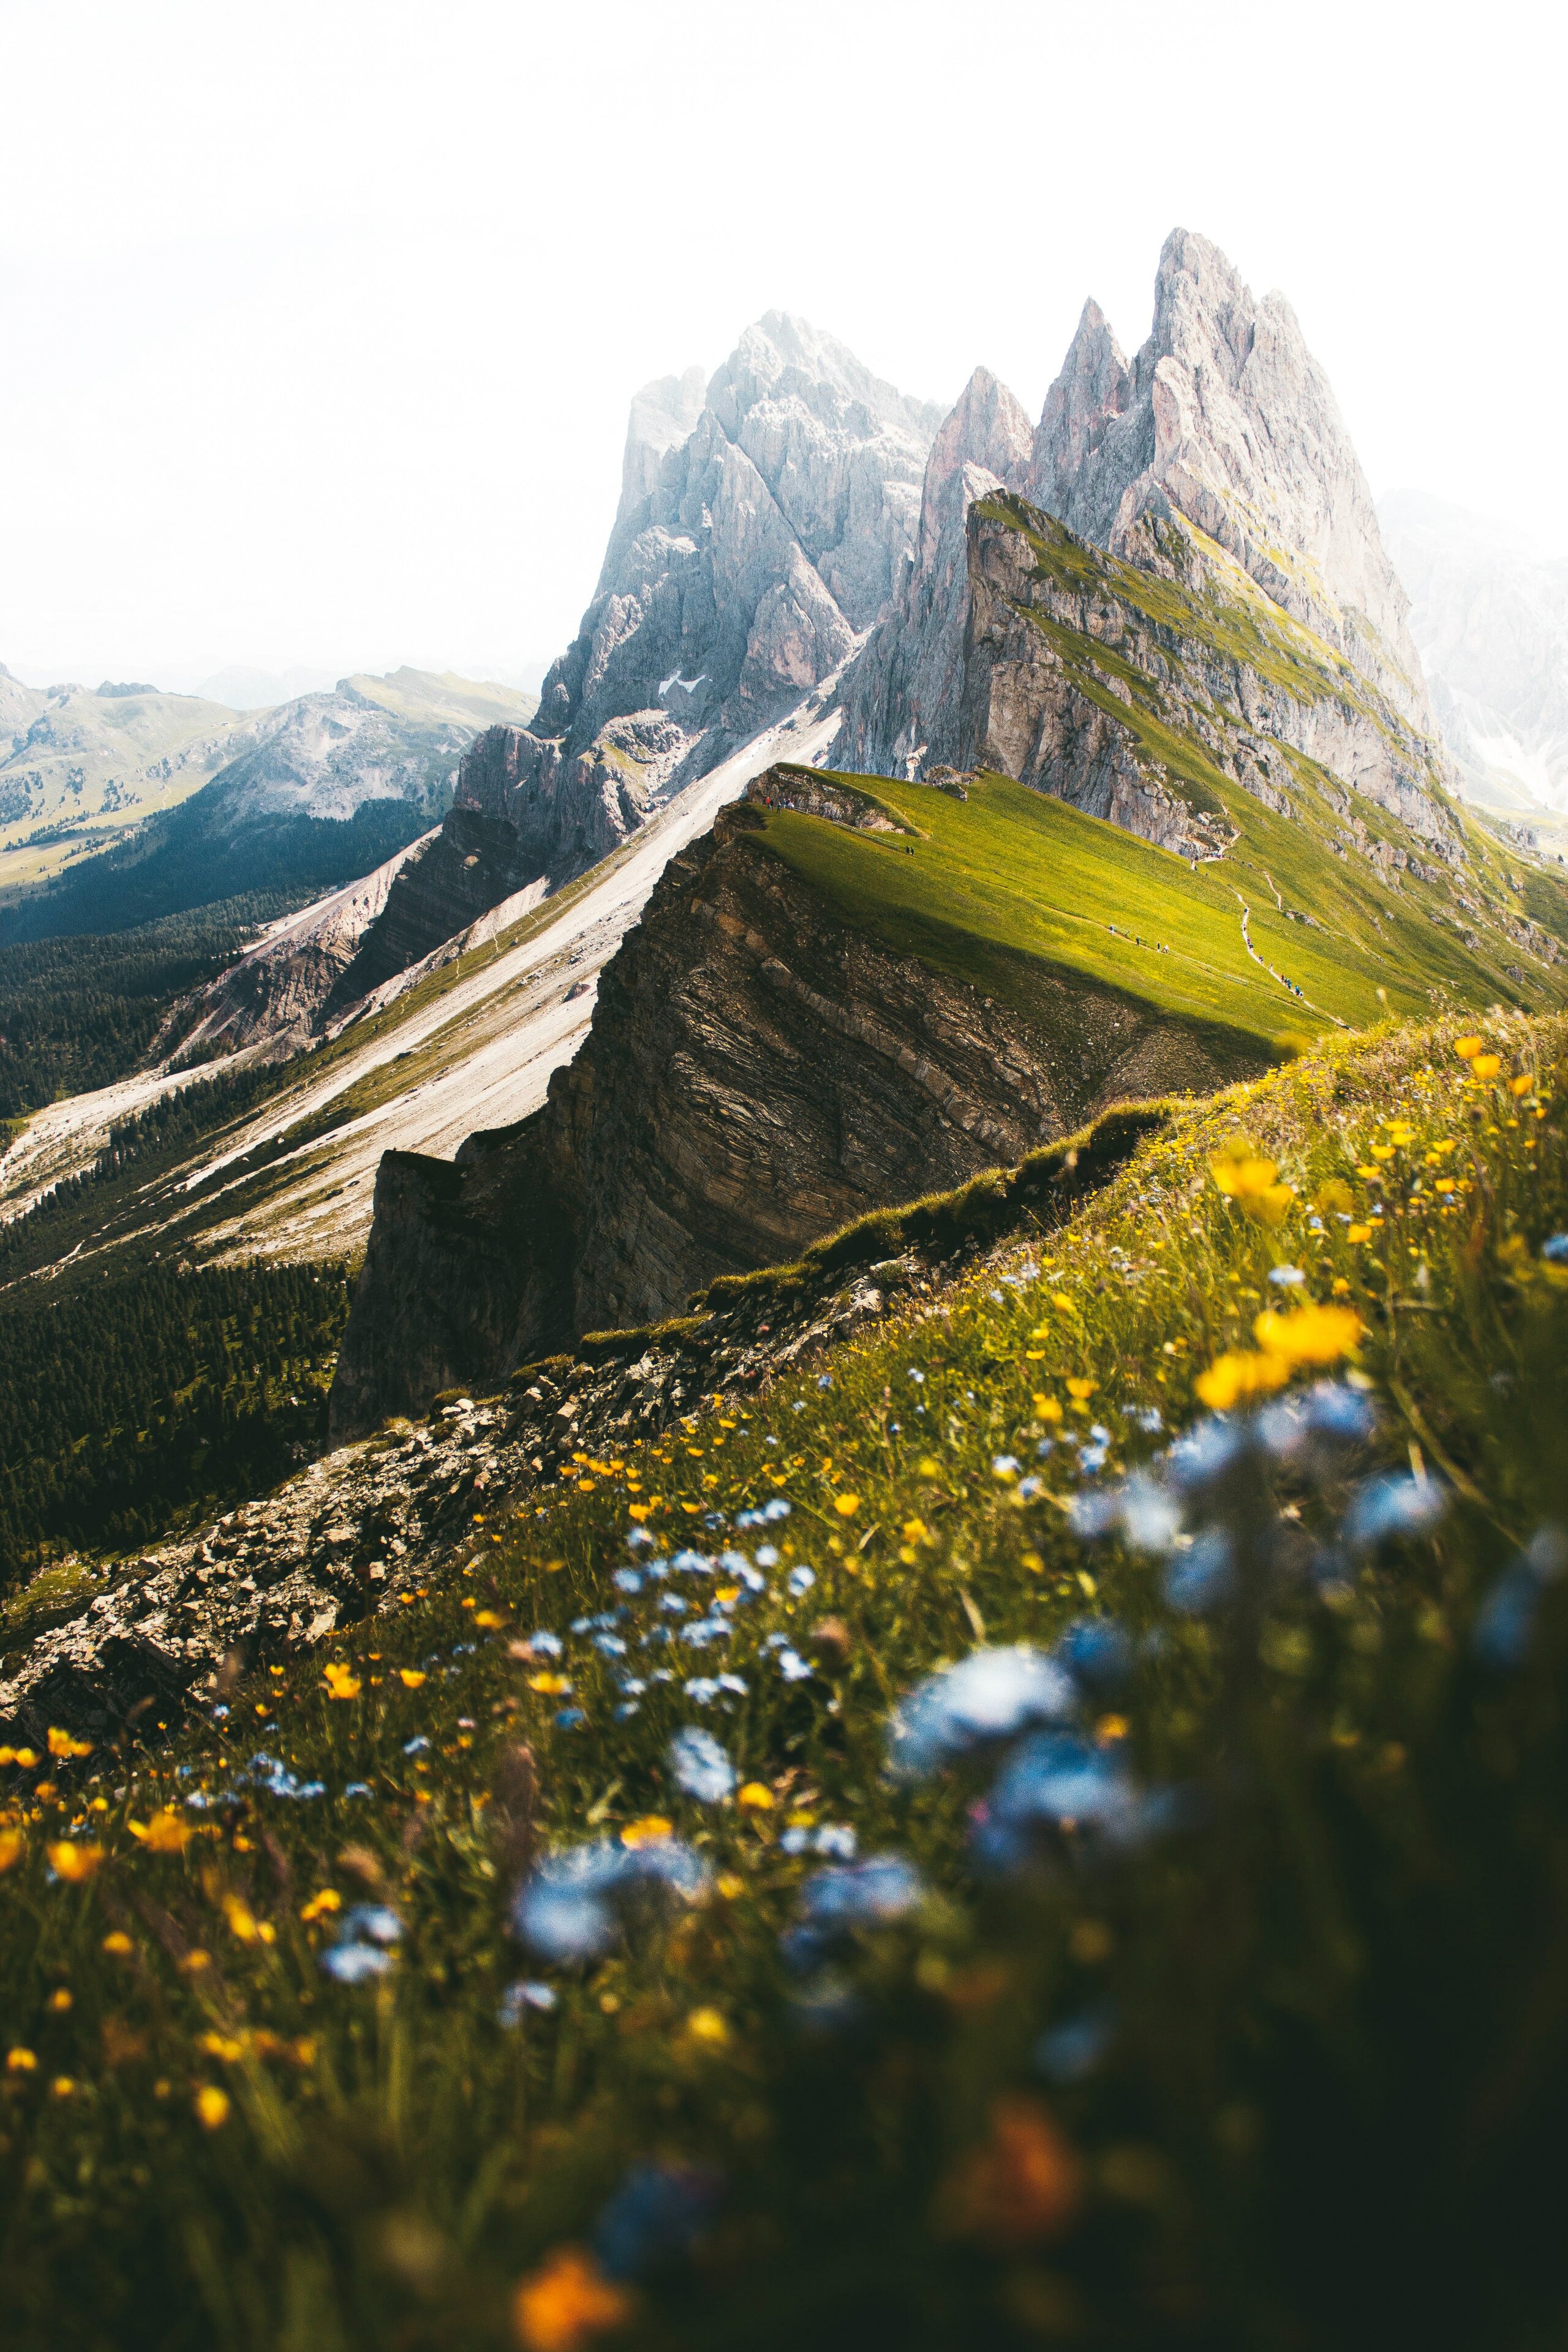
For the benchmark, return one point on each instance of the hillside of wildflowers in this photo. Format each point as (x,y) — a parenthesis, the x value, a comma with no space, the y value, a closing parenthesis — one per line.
(1048,1826)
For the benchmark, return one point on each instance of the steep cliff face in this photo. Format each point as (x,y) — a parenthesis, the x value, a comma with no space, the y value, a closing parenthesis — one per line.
(759,1071)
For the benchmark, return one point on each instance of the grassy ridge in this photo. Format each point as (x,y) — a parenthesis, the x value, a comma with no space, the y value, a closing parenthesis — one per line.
(1326,2111)
(1012,876)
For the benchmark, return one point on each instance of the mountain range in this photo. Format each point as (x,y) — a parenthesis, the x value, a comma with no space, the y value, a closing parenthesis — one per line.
(1163,613)
(1490,616)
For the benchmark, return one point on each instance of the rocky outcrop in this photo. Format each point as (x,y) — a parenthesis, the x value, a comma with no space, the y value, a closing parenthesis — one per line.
(757,1074)
(1224,416)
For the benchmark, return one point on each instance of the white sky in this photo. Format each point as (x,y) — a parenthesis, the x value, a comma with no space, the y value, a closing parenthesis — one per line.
(318,322)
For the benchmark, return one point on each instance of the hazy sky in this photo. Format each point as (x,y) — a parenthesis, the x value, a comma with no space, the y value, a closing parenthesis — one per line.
(320,321)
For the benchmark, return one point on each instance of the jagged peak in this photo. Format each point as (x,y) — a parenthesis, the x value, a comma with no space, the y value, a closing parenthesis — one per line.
(663,414)
(781,354)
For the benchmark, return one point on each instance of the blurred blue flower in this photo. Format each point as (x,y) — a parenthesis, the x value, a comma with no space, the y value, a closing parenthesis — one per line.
(778,1508)
(1204,1576)
(546,1643)
(375,1922)
(1287,1277)
(517,1997)
(1395,1503)
(352,1964)
(792,1665)
(800,1581)
(654,2217)
(1071,2051)
(1505,1624)
(1555,1250)
(571,1908)
(629,1579)
(700,1767)
(991,1694)
(570,1718)
(1097,1652)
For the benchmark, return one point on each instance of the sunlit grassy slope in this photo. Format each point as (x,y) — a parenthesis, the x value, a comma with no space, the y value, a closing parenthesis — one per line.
(1318,2016)
(987,887)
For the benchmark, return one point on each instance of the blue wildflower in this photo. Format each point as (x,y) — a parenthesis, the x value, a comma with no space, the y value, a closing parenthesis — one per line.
(1071,2051)
(1505,1625)
(352,1964)
(656,2217)
(992,1695)
(800,1581)
(1204,1576)
(1287,1277)
(792,1665)
(517,1997)
(700,1767)
(1393,1504)
(1555,1250)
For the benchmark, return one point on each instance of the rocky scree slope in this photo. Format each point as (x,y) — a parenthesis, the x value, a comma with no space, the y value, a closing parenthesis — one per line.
(760,1068)
(762,524)
(373,1524)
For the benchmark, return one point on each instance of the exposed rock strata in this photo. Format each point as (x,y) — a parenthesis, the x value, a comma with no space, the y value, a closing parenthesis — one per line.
(757,1074)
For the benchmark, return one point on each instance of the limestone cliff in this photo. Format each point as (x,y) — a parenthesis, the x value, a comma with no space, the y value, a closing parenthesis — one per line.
(758,1072)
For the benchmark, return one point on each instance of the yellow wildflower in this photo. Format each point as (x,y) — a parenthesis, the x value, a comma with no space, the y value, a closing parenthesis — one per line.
(652,1829)
(488,1618)
(1400,1131)
(1487,1065)
(13,1846)
(21,2062)
(118,1942)
(566,2301)
(242,1922)
(1311,1334)
(1521,1085)
(63,2087)
(846,1504)
(1467,1048)
(339,1681)
(1359,1233)
(60,2000)
(1236,1378)
(329,1899)
(212,2107)
(74,1863)
(550,1685)
(757,1795)
(61,1743)
(1082,1390)
(710,2025)
(164,1833)
(1047,1407)
(1383,1151)
(1444,1184)
(226,2046)
(410,1677)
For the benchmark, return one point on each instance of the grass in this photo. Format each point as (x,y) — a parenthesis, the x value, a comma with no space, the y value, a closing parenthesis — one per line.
(1012,887)
(1329,2115)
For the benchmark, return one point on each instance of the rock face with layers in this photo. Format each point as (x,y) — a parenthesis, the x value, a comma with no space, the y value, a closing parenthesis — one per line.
(757,1074)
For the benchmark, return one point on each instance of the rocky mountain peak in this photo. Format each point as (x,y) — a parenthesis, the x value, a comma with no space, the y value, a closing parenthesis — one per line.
(1226,418)
(663,415)
(987,428)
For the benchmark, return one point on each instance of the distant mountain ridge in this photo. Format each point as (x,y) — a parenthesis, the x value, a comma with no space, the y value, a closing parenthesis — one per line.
(312,794)
(1490,617)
